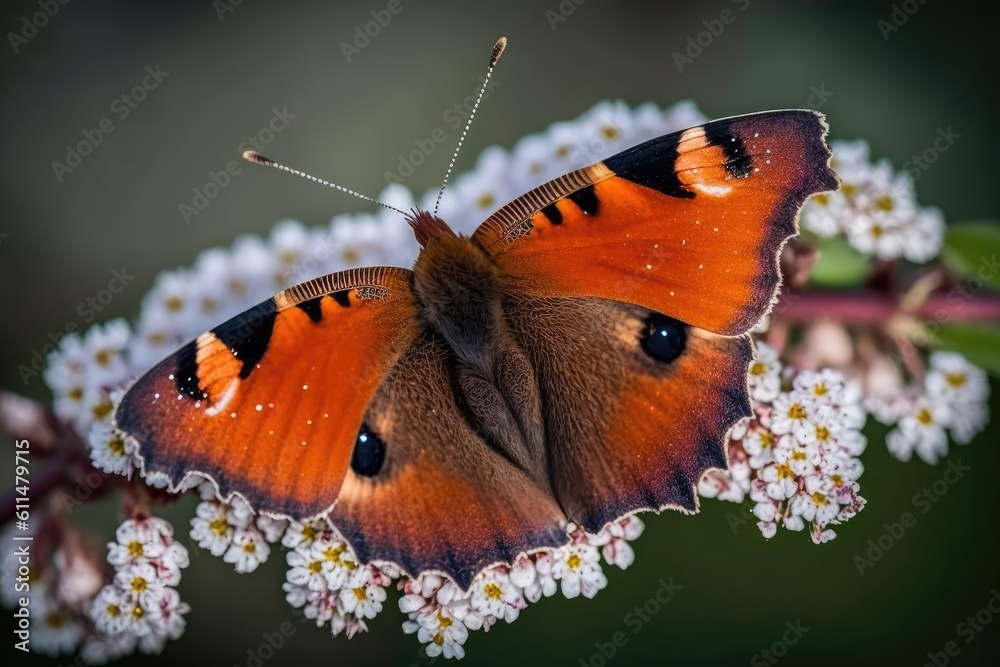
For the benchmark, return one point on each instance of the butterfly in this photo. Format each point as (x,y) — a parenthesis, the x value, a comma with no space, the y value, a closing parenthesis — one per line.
(582,356)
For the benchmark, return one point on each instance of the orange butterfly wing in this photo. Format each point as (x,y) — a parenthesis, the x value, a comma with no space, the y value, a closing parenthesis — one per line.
(627,431)
(688,224)
(269,403)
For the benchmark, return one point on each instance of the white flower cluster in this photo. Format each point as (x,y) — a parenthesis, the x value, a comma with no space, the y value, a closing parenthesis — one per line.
(797,458)
(953,401)
(875,208)
(233,531)
(328,583)
(441,614)
(140,609)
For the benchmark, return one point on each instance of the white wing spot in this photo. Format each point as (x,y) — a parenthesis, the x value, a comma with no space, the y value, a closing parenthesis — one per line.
(233,415)
(304,387)
(649,266)
(259,407)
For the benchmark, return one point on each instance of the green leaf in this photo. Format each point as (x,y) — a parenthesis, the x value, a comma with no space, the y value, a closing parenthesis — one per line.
(973,249)
(839,264)
(980,344)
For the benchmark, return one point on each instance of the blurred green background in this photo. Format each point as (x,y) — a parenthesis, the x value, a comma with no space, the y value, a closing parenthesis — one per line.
(119,208)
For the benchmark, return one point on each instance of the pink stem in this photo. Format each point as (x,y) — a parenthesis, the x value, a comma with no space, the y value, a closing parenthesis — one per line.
(861,308)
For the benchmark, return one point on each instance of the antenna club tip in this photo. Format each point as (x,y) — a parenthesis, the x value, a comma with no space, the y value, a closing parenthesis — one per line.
(254,156)
(498,49)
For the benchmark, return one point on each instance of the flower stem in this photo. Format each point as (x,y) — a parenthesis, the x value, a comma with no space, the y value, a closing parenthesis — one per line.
(871,308)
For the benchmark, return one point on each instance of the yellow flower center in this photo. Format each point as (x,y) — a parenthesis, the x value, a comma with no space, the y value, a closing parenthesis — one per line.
(784,472)
(237,287)
(821,389)
(76,393)
(609,132)
(135,549)
(493,591)
(925,417)
(309,532)
(333,553)
(796,411)
(956,380)
(208,305)
(798,455)
(822,433)
(361,593)
(116,446)
(113,610)
(443,621)
(103,357)
(758,368)
(822,200)
(820,499)
(219,526)
(350,255)
(316,567)
(174,303)
(157,338)
(766,439)
(287,256)
(837,480)
(102,410)
(849,189)
(876,231)
(250,547)
(138,613)
(884,203)
(562,151)
(485,200)
(438,639)
(573,561)
(54,621)
(138,584)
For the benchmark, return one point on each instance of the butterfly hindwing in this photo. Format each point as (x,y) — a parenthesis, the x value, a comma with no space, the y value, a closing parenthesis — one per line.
(268,404)
(689,224)
(442,499)
(629,425)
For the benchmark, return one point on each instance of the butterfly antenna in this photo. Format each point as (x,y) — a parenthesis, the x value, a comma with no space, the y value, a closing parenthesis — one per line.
(498,48)
(257,158)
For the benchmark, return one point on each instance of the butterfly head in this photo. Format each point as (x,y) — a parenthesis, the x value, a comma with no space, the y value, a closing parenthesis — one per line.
(427,226)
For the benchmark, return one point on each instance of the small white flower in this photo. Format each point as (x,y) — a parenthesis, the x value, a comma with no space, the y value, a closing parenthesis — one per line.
(922,238)
(210,527)
(493,593)
(109,450)
(442,634)
(923,432)
(248,550)
(791,416)
(361,596)
(55,630)
(579,569)
(765,374)
(137,578)
(110,609)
